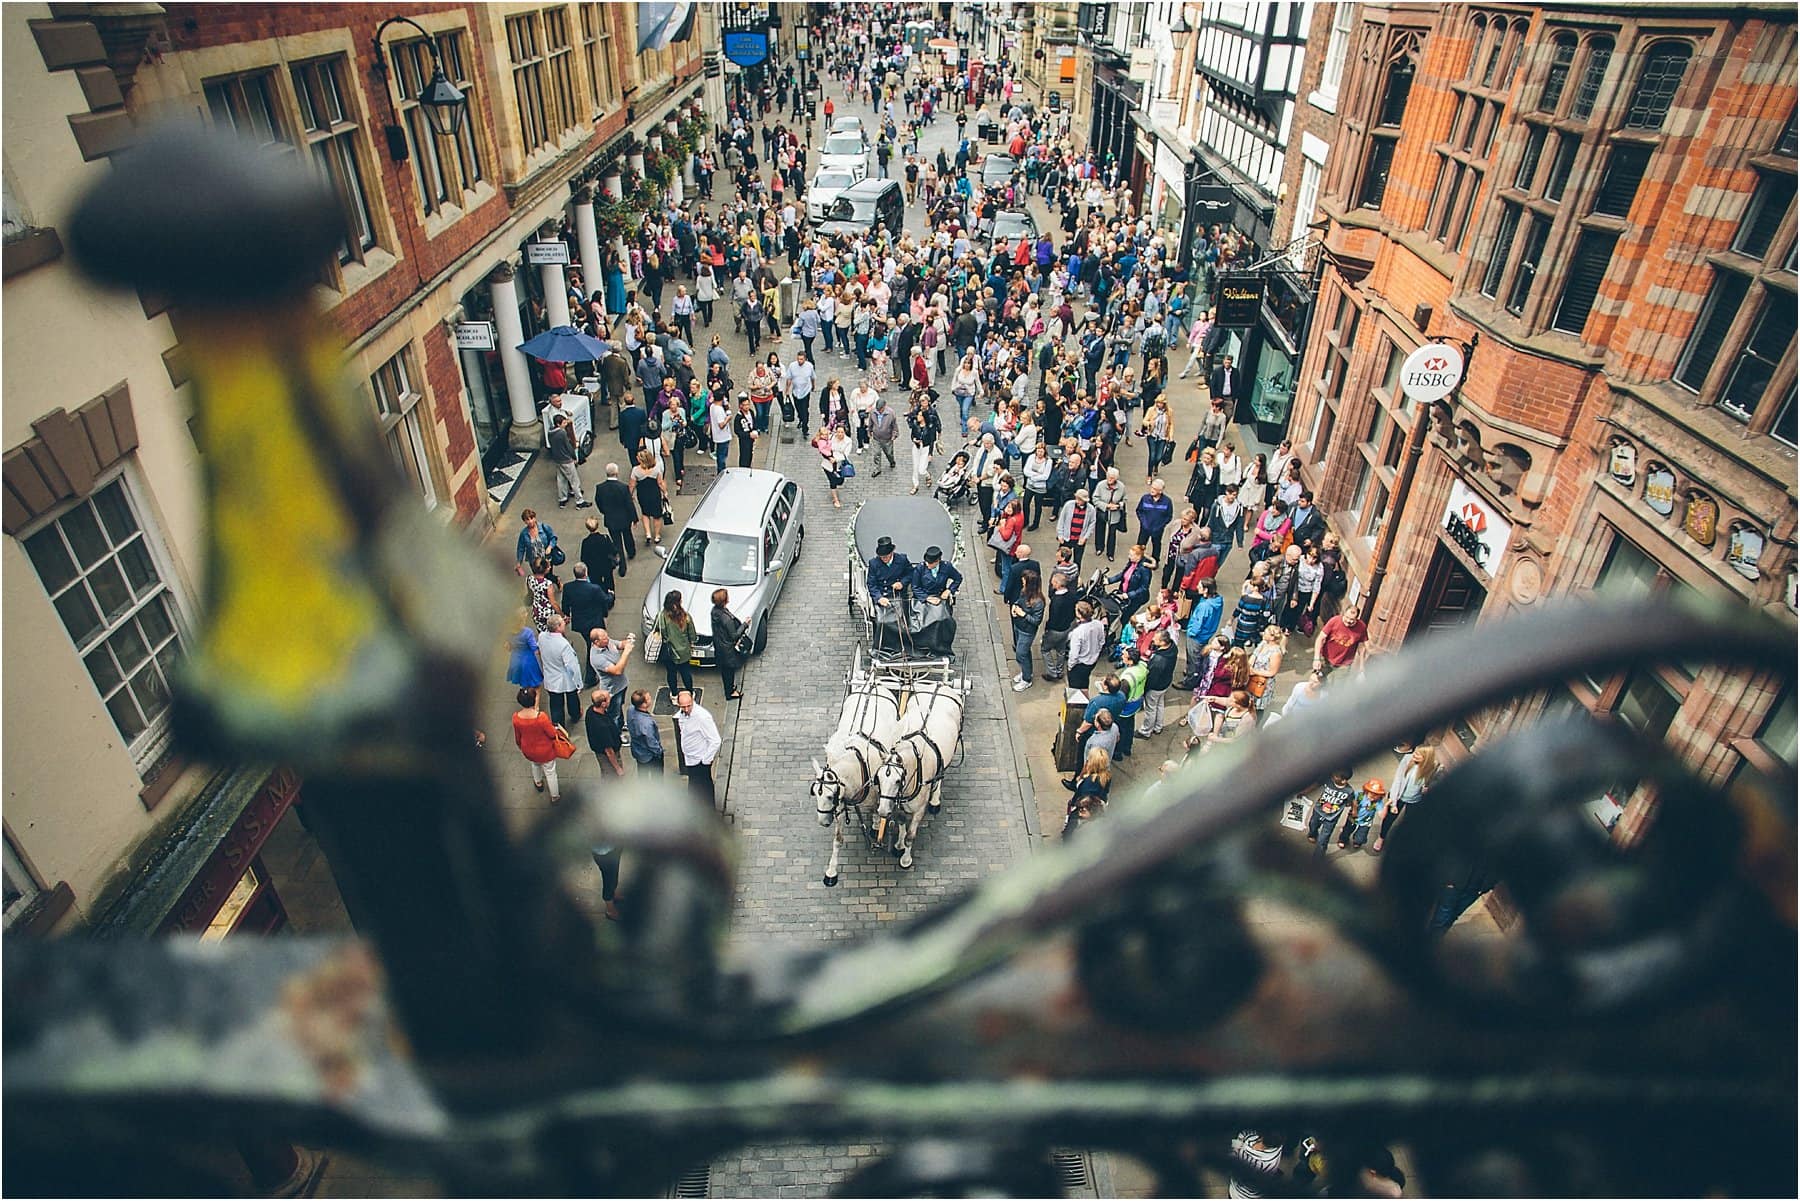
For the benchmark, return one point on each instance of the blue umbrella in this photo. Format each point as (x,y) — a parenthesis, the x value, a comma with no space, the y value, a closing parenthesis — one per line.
(565,344)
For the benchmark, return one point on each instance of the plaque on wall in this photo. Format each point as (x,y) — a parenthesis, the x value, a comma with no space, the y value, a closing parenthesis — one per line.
(1744,551)
(1623,462)
(1701,520)
(1659,489)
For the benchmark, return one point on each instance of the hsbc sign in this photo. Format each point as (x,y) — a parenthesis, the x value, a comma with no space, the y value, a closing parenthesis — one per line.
(1474,525)
(1431,372)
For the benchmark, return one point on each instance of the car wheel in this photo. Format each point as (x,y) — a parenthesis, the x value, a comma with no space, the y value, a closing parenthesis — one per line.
(799,542)
(762,636)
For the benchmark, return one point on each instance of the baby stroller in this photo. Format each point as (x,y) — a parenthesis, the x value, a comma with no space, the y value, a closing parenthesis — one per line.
(954,485)
(1106,604)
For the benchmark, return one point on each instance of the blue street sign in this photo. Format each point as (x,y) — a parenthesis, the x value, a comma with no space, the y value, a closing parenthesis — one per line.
(747,49)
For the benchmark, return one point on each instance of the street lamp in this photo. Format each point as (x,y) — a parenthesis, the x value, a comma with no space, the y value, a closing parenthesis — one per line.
(444,104)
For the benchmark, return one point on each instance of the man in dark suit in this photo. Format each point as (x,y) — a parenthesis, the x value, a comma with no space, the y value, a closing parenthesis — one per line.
(613,498)
(935,579)
(587,605)
(889,573)
(1015,573)
(632,422)
(1226,382)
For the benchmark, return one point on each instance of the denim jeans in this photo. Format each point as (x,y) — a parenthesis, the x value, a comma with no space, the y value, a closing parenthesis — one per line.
(965,405)
(687,676)
(720,450)
(1319,828)
(862,352)
(1022,639)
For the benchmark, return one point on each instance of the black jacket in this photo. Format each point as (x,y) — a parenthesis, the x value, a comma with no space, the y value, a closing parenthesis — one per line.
(587,604)
(1216,382)
(617,509)
(727,629)
(597,553)
(1308,527)
(1016,579)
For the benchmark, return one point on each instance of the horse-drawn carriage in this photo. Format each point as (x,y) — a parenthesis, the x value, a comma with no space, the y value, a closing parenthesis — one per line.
(903,628)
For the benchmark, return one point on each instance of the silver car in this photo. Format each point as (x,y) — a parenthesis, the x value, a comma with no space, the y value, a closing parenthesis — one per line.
(744,537)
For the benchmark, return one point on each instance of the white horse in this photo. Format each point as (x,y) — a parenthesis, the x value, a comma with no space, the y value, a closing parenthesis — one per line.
(912,775)
(841,785)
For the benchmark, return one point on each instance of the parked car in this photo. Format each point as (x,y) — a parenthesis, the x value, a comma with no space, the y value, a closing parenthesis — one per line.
(744,537)
(1011,223)
(845,151)
(846,123)
(828,183)
(996,169)
(863,205)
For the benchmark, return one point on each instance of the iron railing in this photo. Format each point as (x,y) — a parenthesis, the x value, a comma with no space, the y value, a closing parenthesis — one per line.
(1634,1035)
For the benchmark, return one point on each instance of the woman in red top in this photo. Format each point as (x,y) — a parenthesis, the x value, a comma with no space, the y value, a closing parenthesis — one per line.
(536,735)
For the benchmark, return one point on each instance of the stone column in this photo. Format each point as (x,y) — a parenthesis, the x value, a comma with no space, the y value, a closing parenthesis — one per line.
(556,290)
(587,241)
(508,333)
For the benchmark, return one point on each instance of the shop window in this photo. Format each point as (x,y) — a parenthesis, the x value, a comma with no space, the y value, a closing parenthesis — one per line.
(397,409)
(1587,269)
(1624,173)
(97,564)
(1556,81)
(445,168)
(1664,67)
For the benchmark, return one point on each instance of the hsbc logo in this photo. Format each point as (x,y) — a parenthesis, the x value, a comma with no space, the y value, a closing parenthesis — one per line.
(1431,372)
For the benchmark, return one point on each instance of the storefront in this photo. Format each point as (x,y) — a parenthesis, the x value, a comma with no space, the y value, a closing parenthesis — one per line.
(1112,134)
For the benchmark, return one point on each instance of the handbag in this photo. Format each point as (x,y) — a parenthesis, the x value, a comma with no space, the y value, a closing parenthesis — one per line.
(744,644)
(565,749)
(653,646)
(846,469)
(668,513)
(557,557)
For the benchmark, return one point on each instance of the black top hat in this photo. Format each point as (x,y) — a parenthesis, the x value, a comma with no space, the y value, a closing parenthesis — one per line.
(933,554)
(885,546)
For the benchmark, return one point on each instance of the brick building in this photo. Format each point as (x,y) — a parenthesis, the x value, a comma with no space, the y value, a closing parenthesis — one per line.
(106,827)
(1599,203)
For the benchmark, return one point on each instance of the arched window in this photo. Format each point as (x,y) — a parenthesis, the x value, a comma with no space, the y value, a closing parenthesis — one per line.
(1592,76)
(1496,43)
(1664,66)
(1478,32)
(1561,59)
(1402,67)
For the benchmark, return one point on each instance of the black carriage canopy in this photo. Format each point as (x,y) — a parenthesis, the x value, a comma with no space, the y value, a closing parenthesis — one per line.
(913,522)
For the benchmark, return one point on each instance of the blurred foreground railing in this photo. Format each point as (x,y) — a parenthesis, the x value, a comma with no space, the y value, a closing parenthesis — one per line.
(1635,1035)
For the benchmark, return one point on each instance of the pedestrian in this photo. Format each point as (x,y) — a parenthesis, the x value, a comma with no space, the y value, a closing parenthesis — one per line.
(1330,805)
(1342,640)
(1159,674)
(561,671)
(537,739)
(1090,788)
(1417,773)
(1134,675)
(646,739)
(607,659)
(675,626)
(651,489)
(1086,642)
(1027,617)
(1154,513)
(884,428)
(700,743)
(563,454)
(1362,811)
(602,731)
(536,541)
(744,423)
(1109,498)
(613,498)
(1077,524)
(1059,617)
(731,643)
(597,555)
(923,426)
(522,667)
(718,424)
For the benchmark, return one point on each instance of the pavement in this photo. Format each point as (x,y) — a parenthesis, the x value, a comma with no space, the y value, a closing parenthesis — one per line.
(1002,799)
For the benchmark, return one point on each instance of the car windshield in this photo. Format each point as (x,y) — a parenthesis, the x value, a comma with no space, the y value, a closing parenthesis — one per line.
(835,182)
(844,143)
(844,209)
(998,164)
(703,557)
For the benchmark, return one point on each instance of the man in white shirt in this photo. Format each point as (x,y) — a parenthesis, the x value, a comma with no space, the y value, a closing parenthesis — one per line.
(800,376)
(700,744)
(718,419)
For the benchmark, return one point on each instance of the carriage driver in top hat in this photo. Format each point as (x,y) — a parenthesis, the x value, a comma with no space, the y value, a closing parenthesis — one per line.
(888,572)
(935,580)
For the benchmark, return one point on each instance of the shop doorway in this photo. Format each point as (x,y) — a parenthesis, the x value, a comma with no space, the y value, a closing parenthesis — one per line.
(1452,597)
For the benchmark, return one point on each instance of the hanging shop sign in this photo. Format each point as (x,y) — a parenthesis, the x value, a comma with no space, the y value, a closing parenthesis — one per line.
(1622,463)
(1431,372)
(747,49)
(1659,489)
(1239,300)
(474,335)
(1701,519)
(1212,202)
(542,253)
(1473,525)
